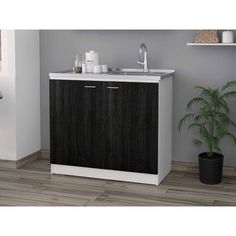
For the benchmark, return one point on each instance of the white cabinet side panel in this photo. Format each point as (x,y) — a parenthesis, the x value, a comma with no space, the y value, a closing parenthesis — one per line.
(165,128)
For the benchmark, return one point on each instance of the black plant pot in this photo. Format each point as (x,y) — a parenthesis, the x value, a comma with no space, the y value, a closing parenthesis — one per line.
(210,168)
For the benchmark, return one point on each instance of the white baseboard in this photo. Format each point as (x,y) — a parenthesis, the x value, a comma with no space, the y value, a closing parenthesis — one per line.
(21,162)
(105,174)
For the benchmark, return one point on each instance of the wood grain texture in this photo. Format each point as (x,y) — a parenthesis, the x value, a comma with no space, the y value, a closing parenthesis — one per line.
(33,185)
(107,125)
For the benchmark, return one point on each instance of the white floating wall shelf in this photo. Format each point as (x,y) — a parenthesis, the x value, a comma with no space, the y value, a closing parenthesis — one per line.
(211,44)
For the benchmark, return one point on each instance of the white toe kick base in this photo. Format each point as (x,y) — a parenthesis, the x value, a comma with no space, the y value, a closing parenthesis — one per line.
(105,174)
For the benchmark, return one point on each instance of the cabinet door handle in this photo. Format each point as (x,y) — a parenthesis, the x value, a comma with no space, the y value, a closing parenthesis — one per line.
(90,86)
(111,87)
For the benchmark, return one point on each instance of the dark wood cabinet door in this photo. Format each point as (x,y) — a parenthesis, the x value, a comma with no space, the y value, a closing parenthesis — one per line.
(140,127)
(77,123)
(132,126)
(108,125)
(113,108)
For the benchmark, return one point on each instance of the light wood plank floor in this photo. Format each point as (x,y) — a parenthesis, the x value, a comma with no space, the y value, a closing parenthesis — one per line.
(33,185)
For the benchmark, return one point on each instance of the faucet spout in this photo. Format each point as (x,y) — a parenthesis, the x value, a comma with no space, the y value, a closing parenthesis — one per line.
(143,51)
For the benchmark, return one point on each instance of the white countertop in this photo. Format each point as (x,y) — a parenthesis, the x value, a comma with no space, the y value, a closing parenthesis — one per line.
(69,75)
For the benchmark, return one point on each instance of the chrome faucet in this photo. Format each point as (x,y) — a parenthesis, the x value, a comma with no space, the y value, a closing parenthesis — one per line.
(143,50)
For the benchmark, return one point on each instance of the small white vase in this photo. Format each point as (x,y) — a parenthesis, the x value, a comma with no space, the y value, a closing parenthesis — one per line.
(227,37)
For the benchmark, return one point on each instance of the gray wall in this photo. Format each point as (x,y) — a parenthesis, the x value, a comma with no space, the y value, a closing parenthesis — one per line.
(211,66)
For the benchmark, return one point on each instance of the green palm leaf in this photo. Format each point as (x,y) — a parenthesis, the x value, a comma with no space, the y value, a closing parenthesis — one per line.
(197,142)
(196,100)
(205,92)
(185,118)
(224,105)
(204,132)
(196,125)
(228,85)
(225,119)
(229,94)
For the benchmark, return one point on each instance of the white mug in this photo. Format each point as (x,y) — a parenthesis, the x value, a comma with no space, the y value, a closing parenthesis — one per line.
(104,68)
(90,68)
(84,68)
(227,37)
(97,69)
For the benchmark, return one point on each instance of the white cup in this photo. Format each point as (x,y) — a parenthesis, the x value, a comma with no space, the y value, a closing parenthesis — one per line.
(227,37)
(90,68)
(104,68)
(84,68)
(97,69)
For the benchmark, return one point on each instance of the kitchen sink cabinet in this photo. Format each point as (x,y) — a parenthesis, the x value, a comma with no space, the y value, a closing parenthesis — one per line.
(105,125)
(112,126)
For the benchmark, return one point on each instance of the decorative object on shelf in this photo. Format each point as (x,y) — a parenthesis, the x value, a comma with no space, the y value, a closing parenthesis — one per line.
(206,36)
(212,122)
(227,36)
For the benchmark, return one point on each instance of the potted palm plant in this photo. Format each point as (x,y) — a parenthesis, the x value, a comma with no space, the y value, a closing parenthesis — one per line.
(208,114)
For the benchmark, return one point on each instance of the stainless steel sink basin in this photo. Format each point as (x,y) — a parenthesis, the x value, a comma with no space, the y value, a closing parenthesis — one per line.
(131,71)
(135,73)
